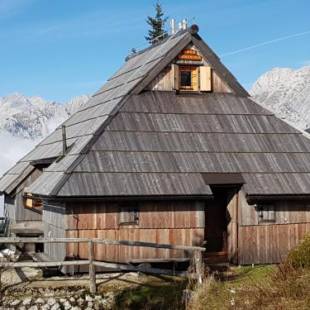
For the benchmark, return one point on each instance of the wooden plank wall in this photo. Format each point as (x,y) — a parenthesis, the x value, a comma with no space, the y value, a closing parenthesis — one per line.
(54,226)
(9,207)
(15,208)
(232,229)
(270,242)
(165,82)
(159,222)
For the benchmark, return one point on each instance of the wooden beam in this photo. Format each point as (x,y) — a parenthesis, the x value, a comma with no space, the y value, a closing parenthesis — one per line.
(151,245)
(44,264)
(144,268)
(92,268)
(102,241)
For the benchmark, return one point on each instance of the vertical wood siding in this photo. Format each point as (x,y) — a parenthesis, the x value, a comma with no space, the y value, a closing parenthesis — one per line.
(165,81)
(14,206)
(159,222)
(267,243)
(54,225)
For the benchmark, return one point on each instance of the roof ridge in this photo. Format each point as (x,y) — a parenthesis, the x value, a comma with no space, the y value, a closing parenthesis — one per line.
(133,55)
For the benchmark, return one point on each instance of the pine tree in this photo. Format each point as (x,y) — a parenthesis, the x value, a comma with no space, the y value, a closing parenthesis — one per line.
(157,23)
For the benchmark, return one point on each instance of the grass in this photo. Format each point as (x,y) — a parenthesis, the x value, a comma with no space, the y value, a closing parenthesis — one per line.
(286,286)
(164,293)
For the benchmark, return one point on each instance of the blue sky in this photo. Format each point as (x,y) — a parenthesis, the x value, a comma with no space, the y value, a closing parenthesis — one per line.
(58,49)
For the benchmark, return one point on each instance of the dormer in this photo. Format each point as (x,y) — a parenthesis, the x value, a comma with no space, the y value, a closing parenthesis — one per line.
(189,72)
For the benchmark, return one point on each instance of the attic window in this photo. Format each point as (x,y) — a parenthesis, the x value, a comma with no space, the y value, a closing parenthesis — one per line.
(188,77)
(266,213)
(129,215)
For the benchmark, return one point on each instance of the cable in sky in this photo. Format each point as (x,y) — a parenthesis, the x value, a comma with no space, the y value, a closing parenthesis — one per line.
(266,43)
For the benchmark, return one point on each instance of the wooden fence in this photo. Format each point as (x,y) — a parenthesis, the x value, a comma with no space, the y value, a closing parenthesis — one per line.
(197,259)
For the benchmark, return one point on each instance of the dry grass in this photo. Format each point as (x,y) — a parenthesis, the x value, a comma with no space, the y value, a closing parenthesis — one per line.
(286,286)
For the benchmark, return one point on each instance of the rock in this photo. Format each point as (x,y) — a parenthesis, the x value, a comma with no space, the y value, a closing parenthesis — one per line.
(45,307)
(72,299)
(51,301)
(75,308)
(10,277)
(22,308)
(90,304)
(39,301)
(66,305)
(33,308)
(27,301)
(88,298)
(56,306)
(62,300)
(15,303)
(80,301)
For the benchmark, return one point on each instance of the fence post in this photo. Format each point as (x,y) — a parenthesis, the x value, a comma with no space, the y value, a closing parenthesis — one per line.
(199,266)
(92,268)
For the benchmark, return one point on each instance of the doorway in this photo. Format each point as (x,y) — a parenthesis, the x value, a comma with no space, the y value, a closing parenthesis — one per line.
(217,220)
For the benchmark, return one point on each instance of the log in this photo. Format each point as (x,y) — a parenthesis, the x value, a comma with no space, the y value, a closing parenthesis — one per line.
(44,264)
(92,268)
(144,269)
(198,266)
(102,241)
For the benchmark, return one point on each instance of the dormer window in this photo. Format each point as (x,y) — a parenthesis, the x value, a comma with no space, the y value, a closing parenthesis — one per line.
(188,77)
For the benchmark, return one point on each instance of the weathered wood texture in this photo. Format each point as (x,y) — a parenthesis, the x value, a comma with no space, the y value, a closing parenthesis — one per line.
(267,244)
(54,225)
(165,81)
(232,229)
(161,222)
(287,212)
(14,205)
(270,242)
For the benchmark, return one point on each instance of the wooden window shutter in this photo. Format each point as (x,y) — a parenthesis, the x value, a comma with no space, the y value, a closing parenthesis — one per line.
(195,84)
(175,76)
(205,78)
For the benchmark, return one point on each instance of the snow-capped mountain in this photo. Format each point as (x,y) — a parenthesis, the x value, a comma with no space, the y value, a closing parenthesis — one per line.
(286,92)
(24,121)
(33,117)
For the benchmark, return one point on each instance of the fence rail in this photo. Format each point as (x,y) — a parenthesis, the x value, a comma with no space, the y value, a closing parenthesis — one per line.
(197,260)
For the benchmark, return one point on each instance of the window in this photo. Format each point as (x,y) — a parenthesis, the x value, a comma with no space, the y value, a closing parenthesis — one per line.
(266,213)
(129,215)
(188,77)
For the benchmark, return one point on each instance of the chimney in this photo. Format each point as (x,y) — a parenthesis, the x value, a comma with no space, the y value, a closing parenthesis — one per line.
(64,140)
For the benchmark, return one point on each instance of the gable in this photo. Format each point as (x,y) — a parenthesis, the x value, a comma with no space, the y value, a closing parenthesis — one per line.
(202,76)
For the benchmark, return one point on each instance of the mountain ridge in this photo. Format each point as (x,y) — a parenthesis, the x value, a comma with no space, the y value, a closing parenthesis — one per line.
(286,92)
(32,117)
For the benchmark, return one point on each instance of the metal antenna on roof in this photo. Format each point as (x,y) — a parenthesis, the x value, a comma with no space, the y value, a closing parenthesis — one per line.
(172,25)
(64,140)
(184,24)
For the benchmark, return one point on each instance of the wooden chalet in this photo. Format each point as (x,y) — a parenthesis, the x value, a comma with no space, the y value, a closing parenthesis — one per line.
(173,150)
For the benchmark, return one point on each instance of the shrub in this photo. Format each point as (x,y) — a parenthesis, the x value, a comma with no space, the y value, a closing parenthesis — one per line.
(299,257)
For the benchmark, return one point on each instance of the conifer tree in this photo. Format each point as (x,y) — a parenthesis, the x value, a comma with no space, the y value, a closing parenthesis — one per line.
(157,24)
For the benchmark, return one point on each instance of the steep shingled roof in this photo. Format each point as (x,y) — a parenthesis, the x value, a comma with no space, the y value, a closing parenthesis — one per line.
(132,143)
(82,126)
